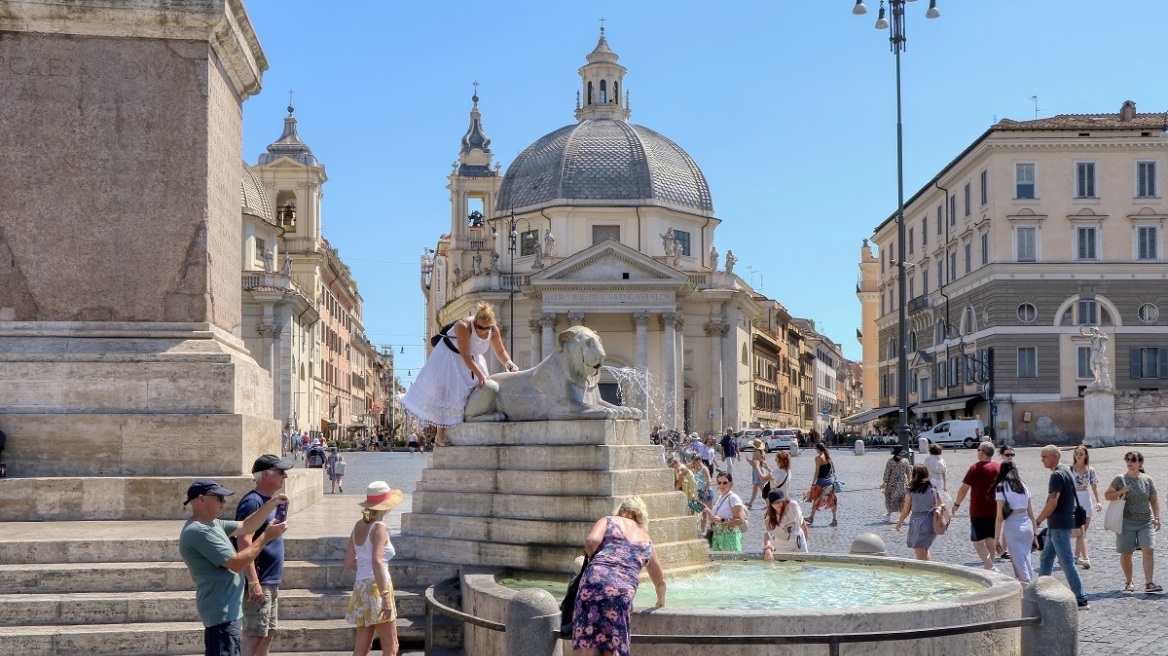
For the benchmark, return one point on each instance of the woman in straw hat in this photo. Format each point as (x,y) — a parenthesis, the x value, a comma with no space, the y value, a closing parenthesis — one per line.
(760,472)
(371,607)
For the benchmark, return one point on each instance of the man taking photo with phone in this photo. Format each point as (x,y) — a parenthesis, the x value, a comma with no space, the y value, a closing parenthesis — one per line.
(264,575)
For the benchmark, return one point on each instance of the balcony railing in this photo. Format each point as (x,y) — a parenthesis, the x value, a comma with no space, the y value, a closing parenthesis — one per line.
(920,303)
(300,245)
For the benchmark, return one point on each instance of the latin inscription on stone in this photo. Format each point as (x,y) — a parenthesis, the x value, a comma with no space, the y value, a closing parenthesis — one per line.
(608,297)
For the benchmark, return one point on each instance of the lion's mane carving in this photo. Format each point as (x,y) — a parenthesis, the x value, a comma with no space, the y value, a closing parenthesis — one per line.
(562,386)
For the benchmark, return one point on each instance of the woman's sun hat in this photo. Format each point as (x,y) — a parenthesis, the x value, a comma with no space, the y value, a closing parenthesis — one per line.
(379,496)
(757,444)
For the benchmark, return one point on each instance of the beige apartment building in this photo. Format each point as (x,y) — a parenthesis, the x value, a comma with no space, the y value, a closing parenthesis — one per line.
(1035,232)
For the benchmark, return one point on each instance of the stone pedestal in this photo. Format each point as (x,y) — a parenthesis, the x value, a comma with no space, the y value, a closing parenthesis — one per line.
(524,495)
(1099,418)
(120,231)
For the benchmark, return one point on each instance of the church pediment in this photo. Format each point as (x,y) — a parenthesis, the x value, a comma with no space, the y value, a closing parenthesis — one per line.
(609,262)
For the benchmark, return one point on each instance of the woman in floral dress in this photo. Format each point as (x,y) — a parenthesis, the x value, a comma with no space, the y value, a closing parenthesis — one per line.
(822,492)
(371,607)
(619,547)
(896,473)
(919,502)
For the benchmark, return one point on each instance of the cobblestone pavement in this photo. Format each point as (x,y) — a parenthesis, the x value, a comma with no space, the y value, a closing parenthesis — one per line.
(1118,623)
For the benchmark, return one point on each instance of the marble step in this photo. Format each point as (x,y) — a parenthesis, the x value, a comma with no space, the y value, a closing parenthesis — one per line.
(84,498)
(547,557)
(612,483)
(175,605)
(543,458)
(56,578)
(557,433)
(514,505)
(120,548)
(156,638)
(524,531)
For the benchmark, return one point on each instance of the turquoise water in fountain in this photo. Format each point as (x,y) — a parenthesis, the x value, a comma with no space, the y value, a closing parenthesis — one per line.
(791,585)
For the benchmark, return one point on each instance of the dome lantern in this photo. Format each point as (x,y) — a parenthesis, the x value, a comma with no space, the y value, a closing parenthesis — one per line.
(602,80)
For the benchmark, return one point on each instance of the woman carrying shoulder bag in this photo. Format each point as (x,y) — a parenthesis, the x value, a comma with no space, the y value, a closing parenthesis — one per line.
(727,516)
(1141,520)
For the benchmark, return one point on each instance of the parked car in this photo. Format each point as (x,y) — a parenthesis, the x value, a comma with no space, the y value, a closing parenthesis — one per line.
(774,439)
(967,432)
(743,438)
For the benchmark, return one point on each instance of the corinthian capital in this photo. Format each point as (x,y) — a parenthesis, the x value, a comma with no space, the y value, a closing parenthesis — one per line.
(641,318)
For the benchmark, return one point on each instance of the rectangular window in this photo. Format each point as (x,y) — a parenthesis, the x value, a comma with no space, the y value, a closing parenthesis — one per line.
(952,266)
(1024,181)
(924,230)
(527,242)
(968,197)
(953,210)
(940,217)
(1085,180)
(1149,362)
(925,282)
(940,272)
(1027,244)
(939,374)
(1146,179)
(911,280)
(682,238)
(1088,311)
(603,232)
(1028,362)
(968,257)
(1085,243)
(985,248)
(1147,243)
(911,241)
(1083,370)
(985,188)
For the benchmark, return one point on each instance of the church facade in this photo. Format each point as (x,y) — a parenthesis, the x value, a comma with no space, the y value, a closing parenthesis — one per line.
(611,225)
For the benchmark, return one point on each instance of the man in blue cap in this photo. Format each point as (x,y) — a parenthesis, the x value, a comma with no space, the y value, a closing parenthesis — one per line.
(215,565)
(263,577)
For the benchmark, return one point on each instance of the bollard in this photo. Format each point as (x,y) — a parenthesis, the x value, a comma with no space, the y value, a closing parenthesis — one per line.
(794,450)
(923,445)
(869,544)
(1058,634)
(532,615)
(859,447)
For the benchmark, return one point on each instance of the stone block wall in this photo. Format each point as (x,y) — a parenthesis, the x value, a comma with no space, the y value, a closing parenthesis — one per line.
(1141,416)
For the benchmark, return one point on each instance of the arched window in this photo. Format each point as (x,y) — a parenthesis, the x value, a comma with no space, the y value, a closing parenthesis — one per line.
(970,321)
(589,92)
(603,93)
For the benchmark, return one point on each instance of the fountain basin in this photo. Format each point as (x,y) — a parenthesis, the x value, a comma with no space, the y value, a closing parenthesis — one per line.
(969,596)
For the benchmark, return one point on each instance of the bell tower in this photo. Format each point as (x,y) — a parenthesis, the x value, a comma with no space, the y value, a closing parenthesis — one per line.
(603,82)
(474,187)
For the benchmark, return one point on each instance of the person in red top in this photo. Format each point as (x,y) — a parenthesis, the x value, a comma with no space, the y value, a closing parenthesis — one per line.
(983,510)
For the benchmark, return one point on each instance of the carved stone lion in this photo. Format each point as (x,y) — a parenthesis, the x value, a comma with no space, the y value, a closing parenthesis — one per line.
(562,386)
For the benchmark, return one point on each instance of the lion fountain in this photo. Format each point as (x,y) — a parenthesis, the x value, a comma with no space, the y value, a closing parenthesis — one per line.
(561,387)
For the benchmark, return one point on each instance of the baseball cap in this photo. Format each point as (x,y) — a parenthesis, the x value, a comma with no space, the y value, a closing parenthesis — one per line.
(205,486)
(270,461)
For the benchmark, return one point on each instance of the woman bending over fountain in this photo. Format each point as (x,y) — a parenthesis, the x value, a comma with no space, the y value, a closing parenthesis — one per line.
(822,492)
(920,500)
(785,532)
(619,547)
(454,369)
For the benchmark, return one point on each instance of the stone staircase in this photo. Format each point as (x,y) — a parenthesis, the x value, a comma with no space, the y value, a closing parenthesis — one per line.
(120,588)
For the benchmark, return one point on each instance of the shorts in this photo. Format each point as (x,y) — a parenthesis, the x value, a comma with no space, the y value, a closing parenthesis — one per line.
(1136,535)
(259,617)
(981,528)
(222,639)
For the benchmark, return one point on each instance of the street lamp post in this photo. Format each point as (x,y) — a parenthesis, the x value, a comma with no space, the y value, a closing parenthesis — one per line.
(897,40)
(512,239)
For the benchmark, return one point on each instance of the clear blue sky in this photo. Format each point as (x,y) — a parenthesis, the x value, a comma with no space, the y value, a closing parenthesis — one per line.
(787,107)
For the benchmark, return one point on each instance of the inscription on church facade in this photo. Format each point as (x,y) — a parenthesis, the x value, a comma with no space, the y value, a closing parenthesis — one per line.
(608,297)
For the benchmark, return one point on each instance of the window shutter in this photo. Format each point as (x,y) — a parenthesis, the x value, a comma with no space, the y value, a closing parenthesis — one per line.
(1135,364)
(1162,363)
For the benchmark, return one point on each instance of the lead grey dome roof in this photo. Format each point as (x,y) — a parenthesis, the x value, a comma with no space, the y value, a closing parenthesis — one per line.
(604,160)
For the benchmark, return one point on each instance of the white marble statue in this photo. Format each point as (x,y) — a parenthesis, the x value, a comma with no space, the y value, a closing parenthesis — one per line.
(713,258)
(549,243)
(538,251)
(1099,367)
(730,260)
(494,261)
(668,242)
(561,387)
(476,263)
(269,260)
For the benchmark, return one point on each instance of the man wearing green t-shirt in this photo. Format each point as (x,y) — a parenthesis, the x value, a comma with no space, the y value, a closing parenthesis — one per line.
(215,565)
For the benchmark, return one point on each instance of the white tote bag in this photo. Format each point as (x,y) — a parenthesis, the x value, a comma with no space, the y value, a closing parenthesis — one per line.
(1113,519)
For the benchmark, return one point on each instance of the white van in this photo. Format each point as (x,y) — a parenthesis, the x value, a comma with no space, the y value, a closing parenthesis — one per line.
(967,432)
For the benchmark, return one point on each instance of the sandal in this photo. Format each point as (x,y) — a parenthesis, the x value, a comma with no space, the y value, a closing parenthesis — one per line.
(1153,588)
(1128,587)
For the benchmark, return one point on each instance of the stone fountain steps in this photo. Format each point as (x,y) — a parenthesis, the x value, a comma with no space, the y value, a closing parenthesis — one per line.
(131,498)
(610,432)
(547,557)
(94,542)
(539,457)
(572,508)
(526,531)
(526,481)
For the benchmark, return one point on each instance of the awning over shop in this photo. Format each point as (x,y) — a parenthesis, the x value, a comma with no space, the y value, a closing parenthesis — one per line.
(941,405)
(869,415)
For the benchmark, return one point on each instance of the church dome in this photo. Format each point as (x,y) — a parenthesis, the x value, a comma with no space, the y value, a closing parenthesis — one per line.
(254,198)
(604,161)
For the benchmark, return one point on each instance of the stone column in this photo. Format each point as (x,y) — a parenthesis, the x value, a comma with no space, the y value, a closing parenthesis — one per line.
(715,330)
(575,318)
(669,343)
(548,322)
(679,367)
(535,327)
(641,358)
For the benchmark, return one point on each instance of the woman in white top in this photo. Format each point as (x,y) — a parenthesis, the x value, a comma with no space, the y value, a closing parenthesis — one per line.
(371,608)
(1086,485)
(779,478)
(937,470)
(1015,520)
(727,516)
(785,531)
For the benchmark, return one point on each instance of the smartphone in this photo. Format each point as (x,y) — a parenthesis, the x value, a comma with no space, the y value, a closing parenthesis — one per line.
(282,512)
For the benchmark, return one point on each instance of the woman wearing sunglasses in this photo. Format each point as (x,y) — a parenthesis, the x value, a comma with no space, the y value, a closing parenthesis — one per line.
(454,369)
(1141,520)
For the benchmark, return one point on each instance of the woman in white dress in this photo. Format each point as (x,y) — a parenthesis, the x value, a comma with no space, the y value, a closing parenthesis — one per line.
(454,369)
(937,470)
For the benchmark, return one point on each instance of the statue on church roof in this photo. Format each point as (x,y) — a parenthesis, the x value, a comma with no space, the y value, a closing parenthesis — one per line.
(668,242)
(477,264)
(549,243)
(494,261)
(538,252)
(269,261)
(713,257)
(730,260)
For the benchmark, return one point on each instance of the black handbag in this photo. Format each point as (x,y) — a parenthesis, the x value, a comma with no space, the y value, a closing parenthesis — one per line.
(568,605)
(1040,540)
